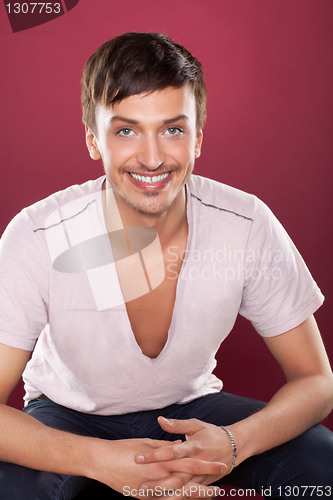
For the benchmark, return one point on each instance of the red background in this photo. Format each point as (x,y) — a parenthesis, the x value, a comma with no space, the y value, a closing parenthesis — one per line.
(269,72)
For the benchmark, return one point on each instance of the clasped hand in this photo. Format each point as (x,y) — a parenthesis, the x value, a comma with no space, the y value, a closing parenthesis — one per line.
(202,459)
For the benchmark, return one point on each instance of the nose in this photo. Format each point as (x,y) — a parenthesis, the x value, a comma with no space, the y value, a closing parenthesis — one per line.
(150,153)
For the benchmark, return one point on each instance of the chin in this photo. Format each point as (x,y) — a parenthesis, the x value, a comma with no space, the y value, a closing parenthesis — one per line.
(151,205)
(151,208)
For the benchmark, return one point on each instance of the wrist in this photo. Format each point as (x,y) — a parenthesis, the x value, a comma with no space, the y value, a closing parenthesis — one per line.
(90,462)
(102,460)
(243,437)
(234,447)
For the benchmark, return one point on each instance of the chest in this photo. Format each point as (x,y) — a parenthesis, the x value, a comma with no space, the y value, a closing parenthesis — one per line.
(151,314)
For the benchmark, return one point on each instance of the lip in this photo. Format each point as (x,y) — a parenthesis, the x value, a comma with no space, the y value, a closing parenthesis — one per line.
(157,186)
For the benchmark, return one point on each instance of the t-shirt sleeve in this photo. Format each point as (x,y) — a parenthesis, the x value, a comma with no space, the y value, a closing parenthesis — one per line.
(23,284)
(279,292)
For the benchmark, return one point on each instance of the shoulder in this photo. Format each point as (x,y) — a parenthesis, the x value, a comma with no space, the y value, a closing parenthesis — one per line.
(224,199)
(34,219)
(65,202)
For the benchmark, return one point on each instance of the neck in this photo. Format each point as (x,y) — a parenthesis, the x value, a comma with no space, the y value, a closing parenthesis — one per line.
(168,224)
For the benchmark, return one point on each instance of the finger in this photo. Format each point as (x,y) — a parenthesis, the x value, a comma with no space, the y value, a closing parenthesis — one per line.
(195,490)
(190,490)
(156,443)
(169,484)
(163,453)
(197,467)
(181,470)
(174,426)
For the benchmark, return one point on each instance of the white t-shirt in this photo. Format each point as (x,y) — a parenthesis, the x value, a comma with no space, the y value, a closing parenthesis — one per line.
(238,259)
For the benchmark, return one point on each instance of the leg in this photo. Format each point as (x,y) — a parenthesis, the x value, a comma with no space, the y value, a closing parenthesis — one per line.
(20,482)
(301,468)
(286,471)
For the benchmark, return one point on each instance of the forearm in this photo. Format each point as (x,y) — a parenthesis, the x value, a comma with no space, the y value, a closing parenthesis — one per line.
(298,405)
(303,401)
(25,441)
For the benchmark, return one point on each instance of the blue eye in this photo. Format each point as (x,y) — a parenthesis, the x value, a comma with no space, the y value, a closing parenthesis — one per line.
(174,131)
(125,132)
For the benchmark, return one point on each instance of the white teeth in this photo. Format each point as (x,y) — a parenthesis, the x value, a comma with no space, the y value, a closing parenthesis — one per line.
(149,180)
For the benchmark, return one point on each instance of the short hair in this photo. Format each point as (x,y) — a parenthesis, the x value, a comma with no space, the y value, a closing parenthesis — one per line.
(135,63)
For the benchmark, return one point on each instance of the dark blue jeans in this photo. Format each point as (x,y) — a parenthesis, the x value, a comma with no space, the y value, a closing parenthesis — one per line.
(284,472)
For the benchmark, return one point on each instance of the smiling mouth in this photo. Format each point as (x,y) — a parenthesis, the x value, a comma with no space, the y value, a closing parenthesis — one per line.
(149,180)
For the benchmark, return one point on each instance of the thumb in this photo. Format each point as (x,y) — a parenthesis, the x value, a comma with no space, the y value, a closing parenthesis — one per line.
(175,426)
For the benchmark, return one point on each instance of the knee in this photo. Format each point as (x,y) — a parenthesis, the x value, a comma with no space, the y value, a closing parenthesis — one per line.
(298,465)
(312,458)
(19,482)
(316,456)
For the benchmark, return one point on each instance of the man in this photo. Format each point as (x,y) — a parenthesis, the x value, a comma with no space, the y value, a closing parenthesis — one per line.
(126,285)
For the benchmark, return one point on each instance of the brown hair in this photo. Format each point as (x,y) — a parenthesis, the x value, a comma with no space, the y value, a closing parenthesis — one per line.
(134,63)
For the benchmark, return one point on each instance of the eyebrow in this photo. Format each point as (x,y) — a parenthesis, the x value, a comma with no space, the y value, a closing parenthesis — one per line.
(176,119)
(135,122)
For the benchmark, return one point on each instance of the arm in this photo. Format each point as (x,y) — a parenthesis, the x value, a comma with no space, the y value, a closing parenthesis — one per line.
(25,441)
(303,401)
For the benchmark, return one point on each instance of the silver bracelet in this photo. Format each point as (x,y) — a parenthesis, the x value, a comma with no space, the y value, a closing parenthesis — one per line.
(234,449)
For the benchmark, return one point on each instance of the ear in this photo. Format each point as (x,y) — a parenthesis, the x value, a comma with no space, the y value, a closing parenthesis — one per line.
(91,142)
(198,144)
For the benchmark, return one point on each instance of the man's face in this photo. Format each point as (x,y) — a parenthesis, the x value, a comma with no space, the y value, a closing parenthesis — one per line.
(148,144)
